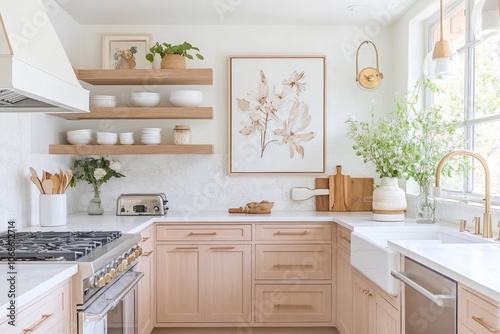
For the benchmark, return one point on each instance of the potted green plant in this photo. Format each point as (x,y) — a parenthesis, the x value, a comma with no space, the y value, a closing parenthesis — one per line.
(408,142)
(172,56)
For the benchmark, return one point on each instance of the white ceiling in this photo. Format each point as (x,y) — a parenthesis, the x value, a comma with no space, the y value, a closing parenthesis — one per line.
(260,12)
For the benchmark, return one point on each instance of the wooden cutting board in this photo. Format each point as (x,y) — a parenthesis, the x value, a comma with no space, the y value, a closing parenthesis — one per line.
(358,196)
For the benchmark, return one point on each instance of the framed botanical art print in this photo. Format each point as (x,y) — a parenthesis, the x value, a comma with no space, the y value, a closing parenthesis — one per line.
(126,51)
(277,114)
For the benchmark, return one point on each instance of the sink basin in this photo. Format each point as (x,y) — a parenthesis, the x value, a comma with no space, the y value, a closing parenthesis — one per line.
(372,256)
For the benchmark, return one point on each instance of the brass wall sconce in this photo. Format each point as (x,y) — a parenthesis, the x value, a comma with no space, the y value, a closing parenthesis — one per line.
(369,78)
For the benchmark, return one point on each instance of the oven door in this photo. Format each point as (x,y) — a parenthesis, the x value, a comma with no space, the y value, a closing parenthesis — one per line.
(115,310)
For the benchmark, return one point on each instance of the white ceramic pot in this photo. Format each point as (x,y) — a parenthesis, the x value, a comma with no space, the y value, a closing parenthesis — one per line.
(389,201)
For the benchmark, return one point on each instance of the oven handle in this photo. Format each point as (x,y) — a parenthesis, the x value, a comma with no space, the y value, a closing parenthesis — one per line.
(439,300)
(136,276)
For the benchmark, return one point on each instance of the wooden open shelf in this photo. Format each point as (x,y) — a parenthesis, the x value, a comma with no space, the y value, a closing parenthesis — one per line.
(130,149)
(141,113)
(190,76)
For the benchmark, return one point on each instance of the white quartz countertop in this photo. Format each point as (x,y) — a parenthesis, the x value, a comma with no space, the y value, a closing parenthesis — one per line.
(31,281)
(470,264)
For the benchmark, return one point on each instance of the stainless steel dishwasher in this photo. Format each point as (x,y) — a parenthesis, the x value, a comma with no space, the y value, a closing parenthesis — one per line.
(430,300)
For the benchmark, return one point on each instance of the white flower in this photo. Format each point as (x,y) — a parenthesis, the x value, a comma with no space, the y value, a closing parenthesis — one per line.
(115,165)
(99,173)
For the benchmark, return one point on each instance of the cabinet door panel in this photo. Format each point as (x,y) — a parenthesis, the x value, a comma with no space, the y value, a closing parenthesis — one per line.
(293,262)
(344,292)
(361,306)
(228,275)
(178,285)
(386,317)
(478,313)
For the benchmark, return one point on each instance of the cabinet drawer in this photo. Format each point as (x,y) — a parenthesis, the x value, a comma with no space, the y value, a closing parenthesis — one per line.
(293,261)
(293,232)
(344,238)
(147,235)
(479,314)
(50,313)
(203,232)
(293,303)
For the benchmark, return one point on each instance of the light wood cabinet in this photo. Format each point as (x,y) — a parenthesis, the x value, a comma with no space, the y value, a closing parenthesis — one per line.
(477,313)
(200,76)
(203,275)
(374,312)
(50,313)
(294,274)
(146,284)
(344,282)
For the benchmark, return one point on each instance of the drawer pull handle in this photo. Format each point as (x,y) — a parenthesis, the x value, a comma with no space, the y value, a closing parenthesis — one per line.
(292,305)
(147,253)
(343,237)
(37,324)
(221,248)
(202,233)
(185,248)
(485,324)
(290,233)
(294,265)
(145,239)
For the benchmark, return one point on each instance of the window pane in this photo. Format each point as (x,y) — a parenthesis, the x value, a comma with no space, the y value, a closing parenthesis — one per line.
(487,142)
(486,80)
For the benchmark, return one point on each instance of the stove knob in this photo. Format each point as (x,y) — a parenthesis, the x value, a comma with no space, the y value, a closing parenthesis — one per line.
(101,282)
(112,272)
(136,253)
(107,278)
(124,264)
(140,251)
(131,258)
(119,268)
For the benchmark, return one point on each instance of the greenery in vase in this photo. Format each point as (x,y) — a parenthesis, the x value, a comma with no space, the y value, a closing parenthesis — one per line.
(409,141)
(164,49)
(95,171)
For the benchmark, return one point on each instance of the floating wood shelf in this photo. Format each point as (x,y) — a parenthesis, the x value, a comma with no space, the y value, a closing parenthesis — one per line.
(141,113)
(130,149)
(190,76)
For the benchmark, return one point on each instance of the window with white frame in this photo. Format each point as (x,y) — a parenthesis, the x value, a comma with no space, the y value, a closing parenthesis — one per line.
(471,95)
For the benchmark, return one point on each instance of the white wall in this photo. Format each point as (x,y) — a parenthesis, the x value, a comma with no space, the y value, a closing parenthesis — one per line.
(201,182)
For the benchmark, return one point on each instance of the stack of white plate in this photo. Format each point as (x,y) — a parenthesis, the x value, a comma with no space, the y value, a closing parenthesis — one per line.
(103,101)
(107,138)
(151,136)
(79,137)
(126,138)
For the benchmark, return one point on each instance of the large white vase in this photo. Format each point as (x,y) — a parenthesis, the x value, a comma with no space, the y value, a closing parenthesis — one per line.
(389,201)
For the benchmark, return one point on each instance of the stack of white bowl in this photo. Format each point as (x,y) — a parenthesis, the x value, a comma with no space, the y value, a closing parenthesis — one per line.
(126,138)
(186,98)
(79,137)
(144,99)
(103,101)
(151,136)
(107,138)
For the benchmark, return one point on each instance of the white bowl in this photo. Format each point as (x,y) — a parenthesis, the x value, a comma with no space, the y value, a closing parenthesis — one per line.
(107,141)
(151,130)
(144,99)
(186,98)
(80,132)
(102,103)
(127,142)
(82,141)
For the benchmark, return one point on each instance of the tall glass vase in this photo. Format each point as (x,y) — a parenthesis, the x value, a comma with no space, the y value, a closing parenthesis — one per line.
(426,206)
(95,206)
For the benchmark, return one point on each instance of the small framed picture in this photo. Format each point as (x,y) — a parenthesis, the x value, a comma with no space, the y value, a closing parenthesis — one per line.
(126,51)
(277,114)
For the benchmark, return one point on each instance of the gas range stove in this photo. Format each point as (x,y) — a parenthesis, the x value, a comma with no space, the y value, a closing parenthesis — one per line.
(54,246)
(102,256)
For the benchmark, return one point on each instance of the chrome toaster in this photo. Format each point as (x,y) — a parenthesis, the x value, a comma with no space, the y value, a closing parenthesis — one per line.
(141,205)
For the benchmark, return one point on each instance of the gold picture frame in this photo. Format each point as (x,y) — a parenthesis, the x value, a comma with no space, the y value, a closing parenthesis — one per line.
(277,108)
(126,51)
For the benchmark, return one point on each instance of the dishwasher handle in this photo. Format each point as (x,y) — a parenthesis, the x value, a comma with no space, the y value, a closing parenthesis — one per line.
(439,300)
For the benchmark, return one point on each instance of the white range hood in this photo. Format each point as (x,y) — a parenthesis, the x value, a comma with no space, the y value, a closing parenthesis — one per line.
(35,73)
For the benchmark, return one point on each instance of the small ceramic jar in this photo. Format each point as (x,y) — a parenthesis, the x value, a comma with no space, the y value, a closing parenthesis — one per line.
(182,135)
